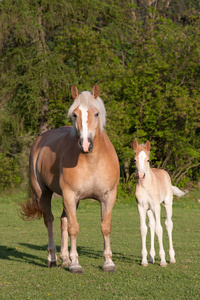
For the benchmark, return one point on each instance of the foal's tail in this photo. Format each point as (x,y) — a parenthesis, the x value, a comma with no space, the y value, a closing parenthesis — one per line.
(177,191)
(30,210)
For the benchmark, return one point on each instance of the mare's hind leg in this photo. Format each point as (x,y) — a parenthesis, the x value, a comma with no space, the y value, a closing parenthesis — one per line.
(106,210)
(64,253)
(169,227)
(45,206)
(152,232)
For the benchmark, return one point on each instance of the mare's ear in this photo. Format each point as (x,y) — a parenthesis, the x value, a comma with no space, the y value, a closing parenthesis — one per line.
(95,91)
(74,92)
(135,145)
(148,145)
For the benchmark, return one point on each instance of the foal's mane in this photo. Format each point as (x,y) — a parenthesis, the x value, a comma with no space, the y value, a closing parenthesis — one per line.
(86,99)
(141,147)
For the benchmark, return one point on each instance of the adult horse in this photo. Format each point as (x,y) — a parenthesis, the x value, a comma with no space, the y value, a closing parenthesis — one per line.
(75,162)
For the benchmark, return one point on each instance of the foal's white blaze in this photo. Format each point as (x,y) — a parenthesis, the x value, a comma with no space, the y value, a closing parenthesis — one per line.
(141,170)
(84,133)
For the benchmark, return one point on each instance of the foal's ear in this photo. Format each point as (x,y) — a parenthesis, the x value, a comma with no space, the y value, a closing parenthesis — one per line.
(135,145)
(148,145)
(95,91)
(74,92)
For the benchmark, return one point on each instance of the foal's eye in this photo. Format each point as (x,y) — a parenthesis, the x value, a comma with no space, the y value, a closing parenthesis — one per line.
(74,115)
(148,160)
(134,161)
(96,115)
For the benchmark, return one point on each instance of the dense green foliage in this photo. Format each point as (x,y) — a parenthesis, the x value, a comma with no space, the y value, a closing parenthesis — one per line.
(144,55)
(23,251)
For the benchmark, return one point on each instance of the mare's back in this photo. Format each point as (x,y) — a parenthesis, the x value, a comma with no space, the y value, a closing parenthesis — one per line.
(52,138)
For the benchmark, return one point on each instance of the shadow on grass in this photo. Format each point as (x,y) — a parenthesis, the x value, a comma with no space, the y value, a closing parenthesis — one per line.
(10,253)
(88,252)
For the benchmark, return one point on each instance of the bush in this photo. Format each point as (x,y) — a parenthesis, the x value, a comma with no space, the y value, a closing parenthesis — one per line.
(9,172)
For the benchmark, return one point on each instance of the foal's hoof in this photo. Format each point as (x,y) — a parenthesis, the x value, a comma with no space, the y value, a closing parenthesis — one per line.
(66,263)
(51,264)
(75,269)
(163,265)
(108,267)
(151,260)
(172,261)
(144,264)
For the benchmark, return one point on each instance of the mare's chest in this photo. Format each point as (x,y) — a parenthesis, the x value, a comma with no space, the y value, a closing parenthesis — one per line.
(90,179)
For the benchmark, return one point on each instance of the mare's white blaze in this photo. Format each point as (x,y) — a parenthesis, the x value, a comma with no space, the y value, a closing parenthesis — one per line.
(84,133)
(142,155)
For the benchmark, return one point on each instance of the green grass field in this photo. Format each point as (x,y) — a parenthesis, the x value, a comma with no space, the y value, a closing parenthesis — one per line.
(24,275)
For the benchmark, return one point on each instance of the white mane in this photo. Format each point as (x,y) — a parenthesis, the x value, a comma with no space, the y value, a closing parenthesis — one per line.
(88,100)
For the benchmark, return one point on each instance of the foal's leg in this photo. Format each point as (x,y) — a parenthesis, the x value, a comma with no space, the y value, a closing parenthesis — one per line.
(169,226)
(106,210)
(159,232)
(152,231)
(64,253)
(69,202)
(45,206)
(143,231)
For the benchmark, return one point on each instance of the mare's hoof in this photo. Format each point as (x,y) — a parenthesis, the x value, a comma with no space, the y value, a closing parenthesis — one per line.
(66,263)
(108,267)
(51,264)
(76,269)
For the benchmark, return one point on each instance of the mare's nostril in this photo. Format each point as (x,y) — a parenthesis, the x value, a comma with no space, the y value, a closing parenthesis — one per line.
(80,143)
(91,144)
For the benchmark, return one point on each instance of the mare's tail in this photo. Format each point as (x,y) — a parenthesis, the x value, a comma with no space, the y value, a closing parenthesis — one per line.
(30,210)
(177,191)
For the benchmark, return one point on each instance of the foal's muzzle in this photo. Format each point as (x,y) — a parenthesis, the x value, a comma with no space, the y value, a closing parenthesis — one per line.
(86,148)
(141,176)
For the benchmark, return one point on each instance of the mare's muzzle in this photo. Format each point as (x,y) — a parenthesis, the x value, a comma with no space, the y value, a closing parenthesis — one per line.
(85,146)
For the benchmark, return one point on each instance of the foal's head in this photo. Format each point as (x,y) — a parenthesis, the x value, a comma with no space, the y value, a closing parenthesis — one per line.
(88,114)
(141,158)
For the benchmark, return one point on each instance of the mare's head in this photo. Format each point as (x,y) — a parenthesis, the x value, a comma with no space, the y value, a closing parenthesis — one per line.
(88,115)
(141,158)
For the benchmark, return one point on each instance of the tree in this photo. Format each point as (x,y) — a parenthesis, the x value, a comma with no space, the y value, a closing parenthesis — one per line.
(144,56)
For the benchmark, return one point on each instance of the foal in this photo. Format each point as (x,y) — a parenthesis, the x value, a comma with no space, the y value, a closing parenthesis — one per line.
(153,187)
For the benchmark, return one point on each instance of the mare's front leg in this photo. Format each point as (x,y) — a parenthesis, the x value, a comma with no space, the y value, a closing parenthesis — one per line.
(152,232)
(69,203)
(64,253)
(106,209)
(143,231)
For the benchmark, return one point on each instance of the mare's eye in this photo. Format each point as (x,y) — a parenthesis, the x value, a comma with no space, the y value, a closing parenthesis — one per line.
(74,115)
(134,161)
(96,115)
(148,160)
